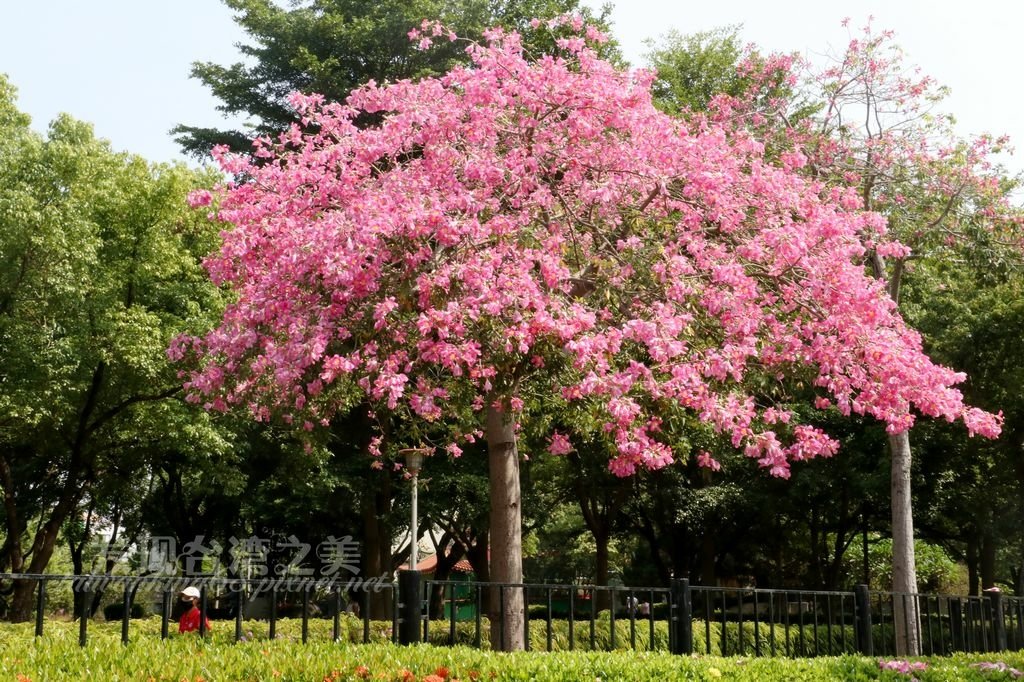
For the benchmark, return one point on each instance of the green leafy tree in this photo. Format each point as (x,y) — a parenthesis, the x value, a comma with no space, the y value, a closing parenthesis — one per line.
(695,67)
(331,47)
(99,268)
(968,490)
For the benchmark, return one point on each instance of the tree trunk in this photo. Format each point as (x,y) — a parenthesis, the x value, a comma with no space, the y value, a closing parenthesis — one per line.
(448,554)
(13,550)
(904,569)
(377,542)
(707,560)
(23,600)
(77,551)
(646,529)
(988,560)
(478,554)
(815,577)
(598,520)
(601,540)
(866,554)
(973,580)
(506,563)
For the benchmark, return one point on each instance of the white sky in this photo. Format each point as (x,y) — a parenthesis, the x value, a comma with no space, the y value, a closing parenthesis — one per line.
(123,64)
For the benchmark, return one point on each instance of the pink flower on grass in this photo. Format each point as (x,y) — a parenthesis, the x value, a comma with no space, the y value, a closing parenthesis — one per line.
(997,667)
(903,667)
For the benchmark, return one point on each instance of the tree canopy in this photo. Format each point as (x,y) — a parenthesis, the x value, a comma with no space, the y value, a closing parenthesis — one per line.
(331,47)
(542,214)
(99,269)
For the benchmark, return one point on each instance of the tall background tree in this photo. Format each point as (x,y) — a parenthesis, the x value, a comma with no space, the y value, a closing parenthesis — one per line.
(99,268)
(879,129)
(331,47)
(868,120)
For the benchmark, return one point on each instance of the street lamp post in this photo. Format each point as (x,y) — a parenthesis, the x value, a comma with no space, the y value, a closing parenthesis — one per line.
(414,463)
(409,580)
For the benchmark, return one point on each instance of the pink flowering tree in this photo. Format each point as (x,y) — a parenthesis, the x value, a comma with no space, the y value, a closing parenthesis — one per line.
(867,120)
(535,221)
(881,131)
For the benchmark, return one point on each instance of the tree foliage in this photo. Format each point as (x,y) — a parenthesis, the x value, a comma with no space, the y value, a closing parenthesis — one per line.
(332,47)
(523,215)
(99,269)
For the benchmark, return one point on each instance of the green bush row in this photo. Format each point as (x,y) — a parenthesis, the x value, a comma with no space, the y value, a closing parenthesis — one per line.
(57,656)
(748,639)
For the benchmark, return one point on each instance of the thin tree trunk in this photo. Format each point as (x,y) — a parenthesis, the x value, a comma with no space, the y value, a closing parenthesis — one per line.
(646,529)
(988,560)
(707,560)
(78,560)
(844,538)
(14,549)
(904,569)
(110,560)
(973,579)
(506,563)
(478,554)
(601,570)
(448,554)
(866,554)
(598,522)
(815,542)
(23,600)
(377,548)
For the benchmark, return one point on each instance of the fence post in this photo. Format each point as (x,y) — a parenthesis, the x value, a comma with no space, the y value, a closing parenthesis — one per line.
(126,615)
(83,617)
(862,615)
(40,606)
(681,623)
(409,607)
(165,612)
(202,611)
(998,623)
(956,625)
(239,608)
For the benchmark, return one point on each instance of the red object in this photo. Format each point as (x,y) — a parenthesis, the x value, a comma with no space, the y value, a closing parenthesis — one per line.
(190,621)
(430,564)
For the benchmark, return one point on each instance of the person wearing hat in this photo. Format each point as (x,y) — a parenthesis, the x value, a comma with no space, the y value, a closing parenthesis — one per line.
(190,619)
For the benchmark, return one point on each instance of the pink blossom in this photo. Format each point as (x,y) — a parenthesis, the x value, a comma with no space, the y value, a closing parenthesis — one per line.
(199,197)
(903,667)
(997,667)
(705,460)
(494,263)
(559,444)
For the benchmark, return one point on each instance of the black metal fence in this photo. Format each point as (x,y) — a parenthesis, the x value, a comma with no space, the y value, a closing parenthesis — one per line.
(232,594)
(682,619)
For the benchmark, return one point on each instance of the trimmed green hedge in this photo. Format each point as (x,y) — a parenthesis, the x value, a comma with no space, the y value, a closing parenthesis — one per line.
(57,656)
(800,642)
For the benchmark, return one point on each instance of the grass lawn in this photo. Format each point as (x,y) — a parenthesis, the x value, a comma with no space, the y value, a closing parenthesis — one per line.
(57,656)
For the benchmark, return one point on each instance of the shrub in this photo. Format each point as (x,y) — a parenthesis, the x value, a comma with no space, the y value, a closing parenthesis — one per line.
(115,611)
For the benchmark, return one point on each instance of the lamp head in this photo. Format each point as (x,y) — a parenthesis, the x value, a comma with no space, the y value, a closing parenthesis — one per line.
(414,458)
